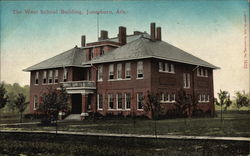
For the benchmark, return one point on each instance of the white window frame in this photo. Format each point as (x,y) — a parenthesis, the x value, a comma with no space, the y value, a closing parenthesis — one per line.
(50,81)
(186,80)
(126,94)
(128,70)
(138,100)
(56,74)
(111,72)
(119,71)
(98,102)
(117,101)
(65,75)
(160,67)
(35,102)
(140,72)
(45,77)
(37,78)
(109,98)
(100,73)
(172,68)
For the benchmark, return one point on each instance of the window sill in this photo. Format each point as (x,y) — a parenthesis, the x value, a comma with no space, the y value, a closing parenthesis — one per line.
(36,84)
(203,101)
(99,80)
(165,102)
(139,78)
(100,109)
(202,76)
(161,71)
(118,79)
(186,87)
(139,109)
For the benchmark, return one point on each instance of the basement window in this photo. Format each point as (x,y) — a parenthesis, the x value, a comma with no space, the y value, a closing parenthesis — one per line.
(111,71)
(127,71)
(44,77)
(140,69)
(37,77)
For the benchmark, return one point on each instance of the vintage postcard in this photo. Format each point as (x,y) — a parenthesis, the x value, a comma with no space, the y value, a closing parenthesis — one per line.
(122,77)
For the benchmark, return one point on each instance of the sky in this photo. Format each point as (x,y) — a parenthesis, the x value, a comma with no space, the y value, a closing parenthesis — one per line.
(211,30)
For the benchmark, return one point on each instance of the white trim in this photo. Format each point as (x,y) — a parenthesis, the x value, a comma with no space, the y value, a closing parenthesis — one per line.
(126,101)
(98,102)
(117,97)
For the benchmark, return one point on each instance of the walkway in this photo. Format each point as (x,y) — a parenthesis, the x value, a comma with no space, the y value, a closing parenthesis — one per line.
(135,135)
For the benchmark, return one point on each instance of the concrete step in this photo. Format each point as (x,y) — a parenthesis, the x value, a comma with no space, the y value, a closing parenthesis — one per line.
(73,117)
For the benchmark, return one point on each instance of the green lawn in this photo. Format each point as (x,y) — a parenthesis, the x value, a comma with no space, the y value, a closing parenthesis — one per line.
(233,124)
(68,145)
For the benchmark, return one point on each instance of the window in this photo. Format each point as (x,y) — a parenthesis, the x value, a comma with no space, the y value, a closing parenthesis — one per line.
(139,101)
(91,53)
(127,101)
(166,97)
(50,76)
(160,66)
(100,73)
(127,71)
(111,101)
(172,98)
(119,71)
(35,102)
(37,77)
(101,51)
(44,77)
(203,98)
(140,69)
(202,72)
(65,75)
(166,67)
(119,101)
(186,80)
(111,71)
(56,76)
(99,101)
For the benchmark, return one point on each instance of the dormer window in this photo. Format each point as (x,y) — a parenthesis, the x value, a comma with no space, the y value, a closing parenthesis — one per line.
(44,77)
(140,69)
(111,71)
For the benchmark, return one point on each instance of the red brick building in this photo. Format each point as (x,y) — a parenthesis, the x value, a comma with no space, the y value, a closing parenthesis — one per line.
(112,75)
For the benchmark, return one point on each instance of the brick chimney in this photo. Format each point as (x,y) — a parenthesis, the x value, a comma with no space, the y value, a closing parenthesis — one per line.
(122,35)
(83,41)
(158,33)
(152,30)
(104,35)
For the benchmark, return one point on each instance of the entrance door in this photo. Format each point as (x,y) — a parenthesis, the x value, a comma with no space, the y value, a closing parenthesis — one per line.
(76,104)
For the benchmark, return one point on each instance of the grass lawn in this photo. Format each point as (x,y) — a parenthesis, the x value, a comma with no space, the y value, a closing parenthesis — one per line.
(67,145)
(233,124)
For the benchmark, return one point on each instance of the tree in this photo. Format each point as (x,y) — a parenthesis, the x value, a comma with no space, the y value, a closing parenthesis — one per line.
(11,102)
(3,96)
(224,100)
(242,99)
(52,103)
(20,104)
(153,106)
(183,103)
